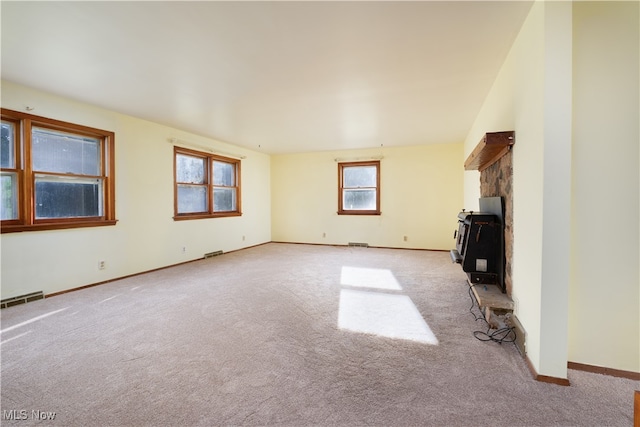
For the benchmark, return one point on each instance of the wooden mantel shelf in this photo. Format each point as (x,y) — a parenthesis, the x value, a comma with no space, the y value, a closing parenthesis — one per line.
(491,147)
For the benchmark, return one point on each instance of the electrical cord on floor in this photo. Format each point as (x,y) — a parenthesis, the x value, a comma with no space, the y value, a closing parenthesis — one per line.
(473,304)
(501,335)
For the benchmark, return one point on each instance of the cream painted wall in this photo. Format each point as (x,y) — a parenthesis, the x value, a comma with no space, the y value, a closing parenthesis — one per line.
(497,114)
(515,102)
(600,322)
(421,195)
(145,237)
(556,195)
(605,287)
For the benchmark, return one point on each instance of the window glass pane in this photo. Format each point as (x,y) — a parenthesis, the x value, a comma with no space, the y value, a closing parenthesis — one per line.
(359,200)
(62,152)
(7,153)
(58,197)
(190,169)
(359,176)
(224,199)
(9,196)
(223,174)
(192,198)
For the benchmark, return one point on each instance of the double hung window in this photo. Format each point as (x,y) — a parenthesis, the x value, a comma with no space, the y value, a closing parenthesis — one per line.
(359,188)
(54,174)
(206,185)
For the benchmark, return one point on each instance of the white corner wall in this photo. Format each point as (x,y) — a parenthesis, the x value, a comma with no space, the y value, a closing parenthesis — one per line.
(556,193)
(605,284)
(146,237)
(569,89)
(421,194)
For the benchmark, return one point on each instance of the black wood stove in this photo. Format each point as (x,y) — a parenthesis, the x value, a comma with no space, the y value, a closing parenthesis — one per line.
(480,243)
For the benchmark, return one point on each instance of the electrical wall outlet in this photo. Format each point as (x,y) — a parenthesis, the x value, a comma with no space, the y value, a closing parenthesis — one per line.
(102,265)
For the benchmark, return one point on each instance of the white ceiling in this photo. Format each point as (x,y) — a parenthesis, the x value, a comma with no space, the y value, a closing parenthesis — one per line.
(276,77)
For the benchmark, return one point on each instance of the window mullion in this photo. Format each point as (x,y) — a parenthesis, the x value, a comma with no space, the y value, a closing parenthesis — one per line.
(20,150)
(108,160)
(175,182)
(102,169)
(210,185)
(28,193)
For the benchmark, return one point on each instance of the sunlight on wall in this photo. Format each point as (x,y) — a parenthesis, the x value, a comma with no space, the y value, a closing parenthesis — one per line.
(391,315)
(369,278)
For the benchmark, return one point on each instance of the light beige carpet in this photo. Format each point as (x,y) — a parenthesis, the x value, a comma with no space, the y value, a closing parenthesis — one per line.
(281,334)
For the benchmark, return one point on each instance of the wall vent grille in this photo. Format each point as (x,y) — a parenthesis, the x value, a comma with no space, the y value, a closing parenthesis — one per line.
(359,245)
(34,296)
(212,254)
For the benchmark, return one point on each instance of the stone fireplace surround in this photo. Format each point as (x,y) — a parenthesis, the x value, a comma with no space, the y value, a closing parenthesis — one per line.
(497,181)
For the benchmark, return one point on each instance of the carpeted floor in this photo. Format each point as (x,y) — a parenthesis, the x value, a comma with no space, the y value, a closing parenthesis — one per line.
(280,334)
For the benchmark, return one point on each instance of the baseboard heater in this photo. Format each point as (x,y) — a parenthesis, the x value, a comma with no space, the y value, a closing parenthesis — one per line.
(358,245)
(34,296)
(212,254)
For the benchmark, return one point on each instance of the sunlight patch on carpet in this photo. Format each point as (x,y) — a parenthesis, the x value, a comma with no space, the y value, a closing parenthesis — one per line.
(15,338)
(110,298)
(387,315)
(35,319)
(377,278)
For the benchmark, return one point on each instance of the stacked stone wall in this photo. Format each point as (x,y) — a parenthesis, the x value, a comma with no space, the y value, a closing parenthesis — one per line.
(497,181)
